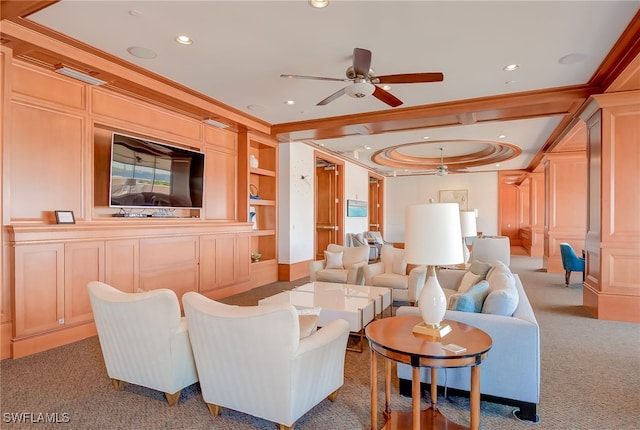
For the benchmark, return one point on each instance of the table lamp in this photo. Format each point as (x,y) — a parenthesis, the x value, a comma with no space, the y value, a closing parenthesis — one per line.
(432,238)
(469,229)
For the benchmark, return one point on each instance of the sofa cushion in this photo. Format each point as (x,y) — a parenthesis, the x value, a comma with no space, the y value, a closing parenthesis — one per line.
(391,280)
(354,255)
(332,275)
(480,268)
(334,260)
(468,280)
(472,300)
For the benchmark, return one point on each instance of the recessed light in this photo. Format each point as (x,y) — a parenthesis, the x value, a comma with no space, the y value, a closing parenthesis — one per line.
(255,107)
(511,67)
(572,58)
(501,136)
(184,40)
(367,147)
(140,52)
(290,102)
(386,87)
(425,137)
(498,165)
(319,3)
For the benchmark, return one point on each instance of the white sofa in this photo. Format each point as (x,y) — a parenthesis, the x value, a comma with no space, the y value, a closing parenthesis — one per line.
(391,272)
(511,373)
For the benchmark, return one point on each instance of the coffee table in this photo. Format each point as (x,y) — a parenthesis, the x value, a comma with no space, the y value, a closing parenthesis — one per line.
(381,296)
(393,339)
(357,311)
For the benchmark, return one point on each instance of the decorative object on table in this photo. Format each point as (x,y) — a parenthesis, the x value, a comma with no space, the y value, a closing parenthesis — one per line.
(253,192)
(432,238)
(469,229)
(454,196)
(65,217)
(252,217)
(253,161)
(256,256)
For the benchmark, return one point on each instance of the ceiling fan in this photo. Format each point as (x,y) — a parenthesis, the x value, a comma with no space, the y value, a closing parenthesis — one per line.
(364,82)
(442,169)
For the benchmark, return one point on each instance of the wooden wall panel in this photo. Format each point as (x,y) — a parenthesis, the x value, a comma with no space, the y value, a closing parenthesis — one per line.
(221,190)
(49,89)
(122,266)
(54,179)
(83,263)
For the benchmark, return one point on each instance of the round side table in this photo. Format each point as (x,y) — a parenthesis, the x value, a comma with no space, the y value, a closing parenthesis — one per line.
(392,338)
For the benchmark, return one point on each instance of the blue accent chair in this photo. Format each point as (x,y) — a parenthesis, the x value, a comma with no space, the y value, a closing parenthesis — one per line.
(570,262)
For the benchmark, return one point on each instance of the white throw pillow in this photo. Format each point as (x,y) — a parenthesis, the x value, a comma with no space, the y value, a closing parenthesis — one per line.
(468,280)
(308,319)
(503,297)
(399,266)
(334,260)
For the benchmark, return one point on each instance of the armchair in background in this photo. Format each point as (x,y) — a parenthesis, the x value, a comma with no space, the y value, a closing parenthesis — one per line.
(143,338)
(570,262)
(391,272)
(358,239)
(251,359)
(341,264)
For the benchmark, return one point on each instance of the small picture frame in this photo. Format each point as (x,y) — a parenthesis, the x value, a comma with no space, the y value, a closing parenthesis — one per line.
(65,217)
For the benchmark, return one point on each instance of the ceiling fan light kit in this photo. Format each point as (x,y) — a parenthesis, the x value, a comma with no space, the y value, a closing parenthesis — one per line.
(365,83)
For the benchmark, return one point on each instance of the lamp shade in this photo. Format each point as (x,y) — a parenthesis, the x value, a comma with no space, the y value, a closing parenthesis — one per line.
(468,223)
(432,234)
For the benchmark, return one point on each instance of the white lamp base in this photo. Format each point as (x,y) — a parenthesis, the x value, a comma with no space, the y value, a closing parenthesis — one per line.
(433,305)
(465,251)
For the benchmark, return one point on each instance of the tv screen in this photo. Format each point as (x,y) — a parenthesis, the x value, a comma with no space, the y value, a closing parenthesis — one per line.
(152,174)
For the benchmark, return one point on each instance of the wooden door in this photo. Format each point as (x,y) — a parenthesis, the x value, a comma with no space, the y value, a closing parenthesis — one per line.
(327,228)
(375,203)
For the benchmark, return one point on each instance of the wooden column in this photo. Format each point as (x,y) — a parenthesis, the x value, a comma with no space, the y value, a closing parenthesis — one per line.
(612,284)
(536,213)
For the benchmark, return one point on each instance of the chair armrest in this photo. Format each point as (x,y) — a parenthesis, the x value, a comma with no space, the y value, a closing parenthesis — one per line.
(314,267)
(335,331)
(417,278)
(355,274)
(371,270)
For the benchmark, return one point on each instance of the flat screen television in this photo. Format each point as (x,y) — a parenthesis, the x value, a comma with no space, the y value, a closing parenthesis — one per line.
(146,174)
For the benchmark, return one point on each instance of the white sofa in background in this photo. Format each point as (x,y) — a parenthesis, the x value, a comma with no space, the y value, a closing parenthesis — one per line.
(251,359)
(511,372)
(391,272)
(143,338)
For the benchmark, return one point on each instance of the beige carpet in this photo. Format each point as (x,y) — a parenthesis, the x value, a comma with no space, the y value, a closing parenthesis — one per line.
(590,379)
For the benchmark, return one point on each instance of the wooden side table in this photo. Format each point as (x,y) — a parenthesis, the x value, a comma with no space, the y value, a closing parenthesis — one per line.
(393,339)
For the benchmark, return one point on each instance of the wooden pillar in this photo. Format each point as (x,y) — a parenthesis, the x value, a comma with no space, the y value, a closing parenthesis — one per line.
(612,285)
(533,233)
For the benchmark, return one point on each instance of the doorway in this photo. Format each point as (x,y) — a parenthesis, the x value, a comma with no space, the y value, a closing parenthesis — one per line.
(329,203)
(376,194)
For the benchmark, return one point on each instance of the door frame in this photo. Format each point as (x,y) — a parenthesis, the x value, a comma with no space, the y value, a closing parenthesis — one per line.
(380,209)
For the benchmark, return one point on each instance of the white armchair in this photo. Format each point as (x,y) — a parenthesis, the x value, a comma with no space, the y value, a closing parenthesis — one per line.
(251,359)
(391,272)
(143,338)
(342,264)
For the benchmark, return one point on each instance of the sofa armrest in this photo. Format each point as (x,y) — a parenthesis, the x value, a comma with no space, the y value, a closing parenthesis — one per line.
(355,274)
(314,267)
(371,270)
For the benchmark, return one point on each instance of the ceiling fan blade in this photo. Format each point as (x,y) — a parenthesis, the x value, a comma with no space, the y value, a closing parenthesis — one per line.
(361,61)
(386,97)
(317,78)
(331,98)
(410,78)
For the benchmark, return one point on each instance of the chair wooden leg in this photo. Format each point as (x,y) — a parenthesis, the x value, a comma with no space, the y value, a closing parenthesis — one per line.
(333,396)
(283,427)
(567,276)
(172,399)
(213,409)
(117,384)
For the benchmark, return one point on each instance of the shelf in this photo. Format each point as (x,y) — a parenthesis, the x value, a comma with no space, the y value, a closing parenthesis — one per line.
(262,172)
(261,202)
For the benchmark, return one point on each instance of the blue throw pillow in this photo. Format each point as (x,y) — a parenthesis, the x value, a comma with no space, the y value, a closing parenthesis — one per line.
(472,300)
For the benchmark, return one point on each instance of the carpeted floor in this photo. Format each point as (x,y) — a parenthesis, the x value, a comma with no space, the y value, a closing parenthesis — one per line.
(590,378)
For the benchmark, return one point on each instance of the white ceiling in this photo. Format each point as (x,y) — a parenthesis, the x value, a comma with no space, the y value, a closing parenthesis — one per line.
(240,49)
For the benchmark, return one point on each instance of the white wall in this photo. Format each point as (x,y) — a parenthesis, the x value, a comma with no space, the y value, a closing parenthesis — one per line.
(406,190)
(356,187)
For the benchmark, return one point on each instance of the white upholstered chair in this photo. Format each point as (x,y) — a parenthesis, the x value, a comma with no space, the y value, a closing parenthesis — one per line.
(342,264)
(491,248)
(251,359)
(143,338)
(391,272)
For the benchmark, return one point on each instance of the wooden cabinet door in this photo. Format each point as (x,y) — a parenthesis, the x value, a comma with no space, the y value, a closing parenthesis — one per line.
(169,262)
(224,260)
(83,263)
(220,185)
(39,288)
(122,265)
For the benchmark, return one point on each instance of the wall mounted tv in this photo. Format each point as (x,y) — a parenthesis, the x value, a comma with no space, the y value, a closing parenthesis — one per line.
(149,174)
